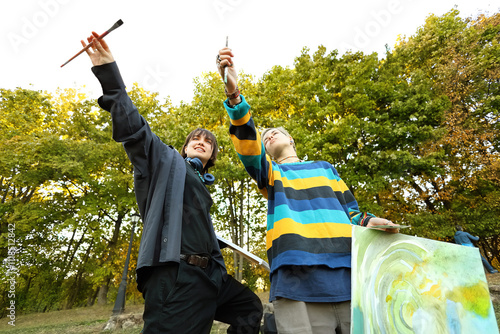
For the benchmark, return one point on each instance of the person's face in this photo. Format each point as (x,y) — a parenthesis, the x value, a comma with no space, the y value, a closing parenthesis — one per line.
(199,147)
(274,141)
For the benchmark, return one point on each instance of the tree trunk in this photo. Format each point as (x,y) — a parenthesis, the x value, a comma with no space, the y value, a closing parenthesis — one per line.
(102,295)
(92,298)
(73,293)
(75,288)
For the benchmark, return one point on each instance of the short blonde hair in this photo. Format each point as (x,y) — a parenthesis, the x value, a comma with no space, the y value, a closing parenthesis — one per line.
(280,129)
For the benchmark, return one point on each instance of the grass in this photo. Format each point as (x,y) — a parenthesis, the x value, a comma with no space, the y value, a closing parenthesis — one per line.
(87,320)
(81,320)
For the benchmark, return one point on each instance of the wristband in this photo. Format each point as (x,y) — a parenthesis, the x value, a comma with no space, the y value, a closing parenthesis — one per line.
(233,95)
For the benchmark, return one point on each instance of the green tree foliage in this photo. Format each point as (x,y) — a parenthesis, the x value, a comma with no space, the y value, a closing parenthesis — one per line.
(66,187)
(461,57)
(414,134)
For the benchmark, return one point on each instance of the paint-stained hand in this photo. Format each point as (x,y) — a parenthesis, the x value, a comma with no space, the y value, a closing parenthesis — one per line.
(375,221)
(99,52)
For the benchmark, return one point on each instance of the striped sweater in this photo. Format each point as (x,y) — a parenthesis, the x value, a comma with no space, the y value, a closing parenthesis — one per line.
(310,208)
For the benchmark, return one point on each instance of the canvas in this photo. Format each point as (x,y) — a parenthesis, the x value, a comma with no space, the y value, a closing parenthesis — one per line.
(405,284)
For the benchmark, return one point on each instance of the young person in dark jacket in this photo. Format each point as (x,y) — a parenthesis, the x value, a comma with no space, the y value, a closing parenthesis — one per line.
(180,269)
(466,239)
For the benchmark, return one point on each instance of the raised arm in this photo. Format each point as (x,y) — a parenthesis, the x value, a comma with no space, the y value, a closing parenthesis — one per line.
(244,135)
(225,59)
(129,127)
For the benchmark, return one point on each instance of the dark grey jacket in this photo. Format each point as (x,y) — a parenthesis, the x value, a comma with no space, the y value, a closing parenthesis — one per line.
(159,174)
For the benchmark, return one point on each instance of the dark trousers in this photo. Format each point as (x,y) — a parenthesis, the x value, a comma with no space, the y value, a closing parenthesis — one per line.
(182,298)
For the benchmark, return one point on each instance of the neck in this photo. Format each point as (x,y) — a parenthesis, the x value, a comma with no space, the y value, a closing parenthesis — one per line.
(288,158)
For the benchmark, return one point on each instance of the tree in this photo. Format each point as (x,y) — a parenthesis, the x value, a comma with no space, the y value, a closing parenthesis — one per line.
(461,58)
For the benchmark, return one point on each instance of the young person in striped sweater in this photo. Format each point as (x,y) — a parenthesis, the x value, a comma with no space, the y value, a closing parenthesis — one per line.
(310,212)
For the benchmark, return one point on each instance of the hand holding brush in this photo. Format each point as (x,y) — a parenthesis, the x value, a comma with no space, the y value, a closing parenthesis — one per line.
(96,37)
(98,50)
(227,71)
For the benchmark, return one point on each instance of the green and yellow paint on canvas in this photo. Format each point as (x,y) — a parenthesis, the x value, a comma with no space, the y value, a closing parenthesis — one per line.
(405,284)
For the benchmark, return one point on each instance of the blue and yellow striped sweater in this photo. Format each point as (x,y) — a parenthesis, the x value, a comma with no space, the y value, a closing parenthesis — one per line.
(310,208)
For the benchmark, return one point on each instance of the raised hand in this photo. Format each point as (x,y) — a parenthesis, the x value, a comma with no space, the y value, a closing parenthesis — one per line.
(225,59)
(99,53)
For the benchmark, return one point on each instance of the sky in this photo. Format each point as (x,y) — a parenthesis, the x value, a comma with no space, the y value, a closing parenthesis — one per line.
(164,45)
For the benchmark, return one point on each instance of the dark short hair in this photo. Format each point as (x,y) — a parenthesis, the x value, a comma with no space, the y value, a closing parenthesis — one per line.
(458,228)
(207,134)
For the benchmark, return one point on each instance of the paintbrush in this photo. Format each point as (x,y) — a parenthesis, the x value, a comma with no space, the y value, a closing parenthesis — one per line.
(389,226)
(116,25)
(225,68)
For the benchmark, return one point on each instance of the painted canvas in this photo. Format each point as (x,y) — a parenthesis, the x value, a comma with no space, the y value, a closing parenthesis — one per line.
(405,284)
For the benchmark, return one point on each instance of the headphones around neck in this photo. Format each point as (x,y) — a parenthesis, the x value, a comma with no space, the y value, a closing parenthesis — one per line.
(207,178)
